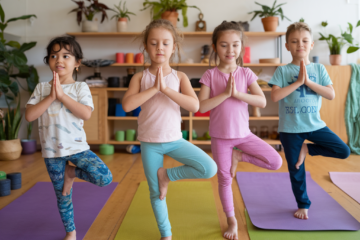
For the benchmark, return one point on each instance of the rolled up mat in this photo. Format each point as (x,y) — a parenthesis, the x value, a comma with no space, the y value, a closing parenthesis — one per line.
(349,182)
(270,203)
(192,213)
(5,188)
(35,216)
(15,180)
(263,234)
(2,175)
(106,149)
(130,135)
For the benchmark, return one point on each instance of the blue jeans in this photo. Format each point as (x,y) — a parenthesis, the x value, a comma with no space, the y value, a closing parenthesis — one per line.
(197,165)
(326,143)
(89,167)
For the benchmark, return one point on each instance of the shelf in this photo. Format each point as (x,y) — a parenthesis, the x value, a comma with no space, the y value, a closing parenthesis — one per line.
(194,34)
(195,142)
(136,118)
(195,89)
(265,118)
(201,142)
(196,65)
(124,142)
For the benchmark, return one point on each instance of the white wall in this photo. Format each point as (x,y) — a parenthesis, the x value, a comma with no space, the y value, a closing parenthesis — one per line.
(53,20)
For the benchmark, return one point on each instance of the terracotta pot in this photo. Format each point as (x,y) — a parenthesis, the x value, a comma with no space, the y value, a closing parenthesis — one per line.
(90,26)
(335,59)
(122,25)
(270,23)
(10,150)
(171,16)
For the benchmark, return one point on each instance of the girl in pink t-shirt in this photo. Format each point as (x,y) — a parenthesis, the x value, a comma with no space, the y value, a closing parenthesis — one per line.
(224,91)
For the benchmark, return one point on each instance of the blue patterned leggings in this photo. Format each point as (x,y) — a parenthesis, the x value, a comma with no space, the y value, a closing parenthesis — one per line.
(89,167)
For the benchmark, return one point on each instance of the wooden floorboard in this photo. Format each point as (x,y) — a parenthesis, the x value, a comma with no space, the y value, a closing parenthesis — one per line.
(127,169)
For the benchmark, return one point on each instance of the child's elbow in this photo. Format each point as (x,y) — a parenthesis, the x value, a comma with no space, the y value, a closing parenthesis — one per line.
(332,96)
(196,107)
(274,98)
(28,117)
(126,108)
(263,103)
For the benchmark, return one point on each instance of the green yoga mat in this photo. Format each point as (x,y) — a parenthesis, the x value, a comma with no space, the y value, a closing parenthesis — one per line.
(260,234)
(192,213)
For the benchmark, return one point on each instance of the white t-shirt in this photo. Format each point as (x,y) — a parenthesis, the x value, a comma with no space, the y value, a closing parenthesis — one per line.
(61,133)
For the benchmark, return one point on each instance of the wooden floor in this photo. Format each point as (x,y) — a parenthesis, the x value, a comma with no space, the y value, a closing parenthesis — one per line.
(128,171)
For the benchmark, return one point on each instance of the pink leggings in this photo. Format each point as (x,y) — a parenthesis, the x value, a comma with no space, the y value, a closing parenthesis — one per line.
(255,151)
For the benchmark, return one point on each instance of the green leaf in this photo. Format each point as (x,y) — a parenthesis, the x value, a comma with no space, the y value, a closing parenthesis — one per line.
(14,88)
(347,37)
(27,46)
(184,14)
(21,18)
(324,23)
(33,79)
(352,49)
(358,23)
(350,27)
(2,47)
(13,44)
(2,14)
(2,26)
(4,77)
(19,58)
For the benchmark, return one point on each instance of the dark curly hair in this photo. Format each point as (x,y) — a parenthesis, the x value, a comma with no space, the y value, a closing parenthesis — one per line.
(70,44)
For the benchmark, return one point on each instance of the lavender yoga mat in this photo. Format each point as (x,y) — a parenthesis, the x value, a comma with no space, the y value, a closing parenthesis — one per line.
(271,204)
(35,216)
(349,182)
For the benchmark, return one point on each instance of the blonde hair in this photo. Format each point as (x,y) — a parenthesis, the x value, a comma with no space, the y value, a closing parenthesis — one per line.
(161,23)
(228,26)
(297,26)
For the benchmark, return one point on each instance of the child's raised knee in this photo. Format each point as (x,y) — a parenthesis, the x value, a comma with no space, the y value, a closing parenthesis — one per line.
(106,180)
(210,170)
(345,153)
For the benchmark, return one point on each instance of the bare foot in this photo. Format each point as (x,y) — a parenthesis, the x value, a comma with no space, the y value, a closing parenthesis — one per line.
(70,235)
(69,177)
(302,155)
(301,213)
(236,157)
(163,182)
(166,238)
(232,231)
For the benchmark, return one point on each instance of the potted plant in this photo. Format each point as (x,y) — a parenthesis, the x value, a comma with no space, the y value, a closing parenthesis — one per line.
(337,43)
(268,16)
(122,16)
(10,147)
(167,9)
(28,145)
(13,63)
(90,24)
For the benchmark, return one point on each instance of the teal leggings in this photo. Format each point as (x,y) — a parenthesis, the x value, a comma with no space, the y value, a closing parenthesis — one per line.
(197,164)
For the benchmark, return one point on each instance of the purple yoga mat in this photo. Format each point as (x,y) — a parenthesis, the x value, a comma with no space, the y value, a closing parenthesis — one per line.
(271,204)
(349,182)
(35,216)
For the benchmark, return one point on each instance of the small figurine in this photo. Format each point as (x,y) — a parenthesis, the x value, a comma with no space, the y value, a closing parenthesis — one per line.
(205,54)
(200,25)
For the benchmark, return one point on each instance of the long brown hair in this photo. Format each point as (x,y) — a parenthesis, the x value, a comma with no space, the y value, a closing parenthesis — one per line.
(161,23)
(228,26)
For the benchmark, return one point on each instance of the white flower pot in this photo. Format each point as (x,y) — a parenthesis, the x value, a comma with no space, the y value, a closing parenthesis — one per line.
(90,26)
(122,25)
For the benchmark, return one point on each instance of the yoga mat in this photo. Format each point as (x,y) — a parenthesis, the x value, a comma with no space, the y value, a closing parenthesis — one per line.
(192,213)
(271,204)
(35,216)
(349,182)
(261,234)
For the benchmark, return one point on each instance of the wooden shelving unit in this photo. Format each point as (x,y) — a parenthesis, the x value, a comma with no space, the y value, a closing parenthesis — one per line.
(196,65)
(106,129)
(186,34)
